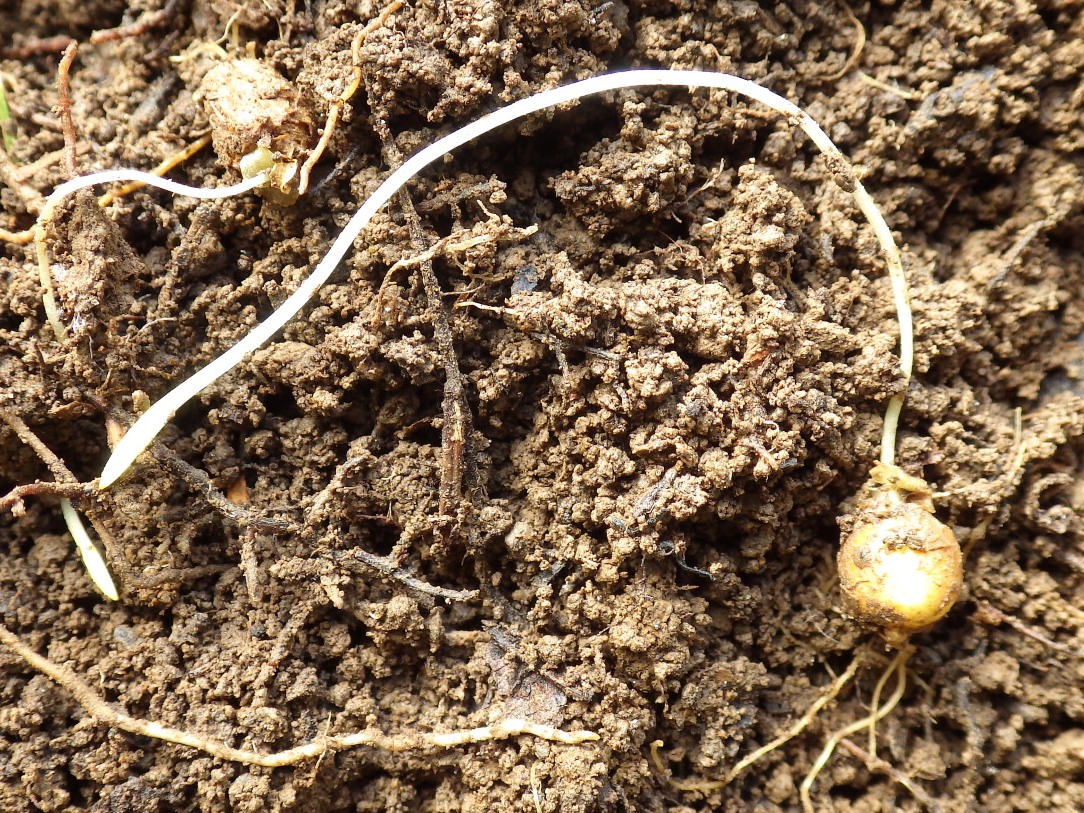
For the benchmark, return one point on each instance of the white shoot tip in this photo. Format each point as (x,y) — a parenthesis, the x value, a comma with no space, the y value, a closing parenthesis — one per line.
(88,551)
(139,436)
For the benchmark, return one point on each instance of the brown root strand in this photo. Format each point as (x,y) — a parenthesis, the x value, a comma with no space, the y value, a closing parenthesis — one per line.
(802,723)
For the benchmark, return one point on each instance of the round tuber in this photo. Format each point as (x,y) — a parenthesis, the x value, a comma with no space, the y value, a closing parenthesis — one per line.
(900,569)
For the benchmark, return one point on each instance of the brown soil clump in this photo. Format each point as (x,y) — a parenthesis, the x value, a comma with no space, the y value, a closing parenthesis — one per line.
(596,480)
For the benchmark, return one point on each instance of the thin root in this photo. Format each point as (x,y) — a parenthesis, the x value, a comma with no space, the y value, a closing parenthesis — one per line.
(348,93)
(811,713)
(1005,483)
(897,666)
(393,570)
(859,43)
(876,764)
(872,81)
(19,238)
(110,715)
(875,703)
(165,166)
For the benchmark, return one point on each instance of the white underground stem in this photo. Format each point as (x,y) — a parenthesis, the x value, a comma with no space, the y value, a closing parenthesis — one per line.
(144,430)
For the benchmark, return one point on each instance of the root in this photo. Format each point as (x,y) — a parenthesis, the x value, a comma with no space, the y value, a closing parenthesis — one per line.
(165,166)
(1006,483)
(898,666)
(110,715)
(17,238)
(337,105)
(92,558)
(810,715)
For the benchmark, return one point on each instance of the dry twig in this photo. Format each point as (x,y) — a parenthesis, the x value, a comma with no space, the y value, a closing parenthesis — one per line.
(46,45)
(64,107)
(147,21)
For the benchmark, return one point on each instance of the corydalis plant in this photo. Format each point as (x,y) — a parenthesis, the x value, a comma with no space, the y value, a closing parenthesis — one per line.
(144,430)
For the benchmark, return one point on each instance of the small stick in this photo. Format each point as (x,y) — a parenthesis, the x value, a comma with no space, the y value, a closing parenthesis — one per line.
(13,499)
(989,614)
(457,463)
(390,568)
(110,715)
(60,472)
(64,107)
(88,551)
(199,481)
(48,45)
(146,21)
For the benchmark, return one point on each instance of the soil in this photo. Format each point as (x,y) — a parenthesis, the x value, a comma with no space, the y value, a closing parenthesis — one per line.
(631,435)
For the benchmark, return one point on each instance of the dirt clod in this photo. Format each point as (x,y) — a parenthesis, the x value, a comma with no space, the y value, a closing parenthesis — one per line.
(670,386)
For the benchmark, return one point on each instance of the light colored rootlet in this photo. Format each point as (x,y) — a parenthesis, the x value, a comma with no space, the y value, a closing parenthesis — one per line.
(151,422)
(704,786)
(897,667)
(110,715)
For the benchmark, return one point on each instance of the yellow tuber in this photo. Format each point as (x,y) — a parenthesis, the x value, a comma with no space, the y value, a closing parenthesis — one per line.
(900,569)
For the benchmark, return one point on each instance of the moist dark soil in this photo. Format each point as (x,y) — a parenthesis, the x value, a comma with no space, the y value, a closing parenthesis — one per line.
(589,470)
